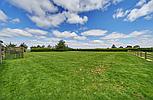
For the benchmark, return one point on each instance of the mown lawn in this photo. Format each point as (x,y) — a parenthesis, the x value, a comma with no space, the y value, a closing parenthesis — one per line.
(76,76)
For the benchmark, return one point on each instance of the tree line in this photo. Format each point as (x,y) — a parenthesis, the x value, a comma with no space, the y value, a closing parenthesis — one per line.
(11,45)
(62,46)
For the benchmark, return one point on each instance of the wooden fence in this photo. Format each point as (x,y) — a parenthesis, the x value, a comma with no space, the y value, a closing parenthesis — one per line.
(11,53)
(0,54)
(145,55)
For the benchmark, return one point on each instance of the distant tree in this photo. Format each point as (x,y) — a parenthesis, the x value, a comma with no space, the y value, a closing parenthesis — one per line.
(49,46)
(24,46)
(121,47)
(1,46)
(11,45)
(38,46)
(136,46)
(43,46)
(129,46)
(1,41)
(61,45)
(33,47)
(113,46)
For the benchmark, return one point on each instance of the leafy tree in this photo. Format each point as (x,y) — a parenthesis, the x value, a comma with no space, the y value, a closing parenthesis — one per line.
(24,46)
(113,46)
(38,46)
(61,45)
(129,46)
(136,46)
(33,47)
(121,47)
(43,46)
(1,41)
(2,47)
(11,45)
(49,46)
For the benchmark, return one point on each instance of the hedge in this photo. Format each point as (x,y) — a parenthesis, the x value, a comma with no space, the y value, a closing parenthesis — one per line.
(96,50)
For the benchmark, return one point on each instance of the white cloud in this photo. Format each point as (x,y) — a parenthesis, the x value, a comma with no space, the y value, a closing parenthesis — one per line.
(36,7)
(97,42)
(82,5)
(116,1)
(39,12)
(46,14)
(145,41)
(8,32)
(38,34)
(138,33)
(116,35)
(85,5)
(149,17)
(67,34)
(117,42)
(94,32)
(79,38)
(16,20)
(56,19)
(40,37)
(74,18)
(3,16)
(36,31)
(142,38)
(143,11)
(48,21)
(87,44)
(64,34)
(119,13)
(27,32)
(141,3)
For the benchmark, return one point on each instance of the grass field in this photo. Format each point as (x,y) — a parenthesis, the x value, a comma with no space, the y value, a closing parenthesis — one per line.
(76,76)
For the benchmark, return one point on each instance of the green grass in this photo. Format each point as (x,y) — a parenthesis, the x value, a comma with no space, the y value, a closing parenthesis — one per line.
(76,76)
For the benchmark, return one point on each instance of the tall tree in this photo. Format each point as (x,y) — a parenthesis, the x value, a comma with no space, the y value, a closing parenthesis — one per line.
(38,46)
(1,43)
(24,46)
(49,46)
(136,46)
(129,46)
(11,45)
(43,46)
(121,47)
(61,45)
(113,46)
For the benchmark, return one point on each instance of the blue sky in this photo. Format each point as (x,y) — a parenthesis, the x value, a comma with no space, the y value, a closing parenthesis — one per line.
(81,23)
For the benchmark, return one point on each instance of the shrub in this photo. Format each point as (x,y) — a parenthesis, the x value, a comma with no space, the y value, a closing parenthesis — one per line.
(40,49)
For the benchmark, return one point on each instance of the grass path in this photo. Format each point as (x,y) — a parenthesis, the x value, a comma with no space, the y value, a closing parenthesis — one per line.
(76,76)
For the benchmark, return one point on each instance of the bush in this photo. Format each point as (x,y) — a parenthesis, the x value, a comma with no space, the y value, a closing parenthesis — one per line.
(106,50)
(35,49)
(146,49)
(40,49)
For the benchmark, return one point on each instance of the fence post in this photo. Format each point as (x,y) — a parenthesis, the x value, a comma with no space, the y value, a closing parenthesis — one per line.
(22,52)
(145,55)
(0,54)
(140,53)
